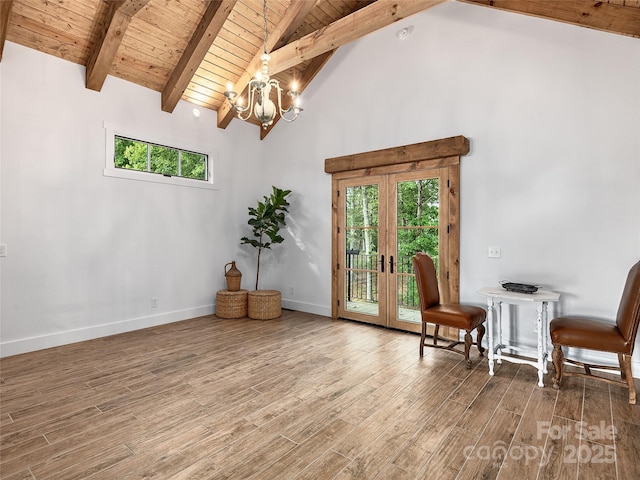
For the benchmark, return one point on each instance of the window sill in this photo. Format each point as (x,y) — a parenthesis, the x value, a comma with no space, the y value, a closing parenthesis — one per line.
(157,178)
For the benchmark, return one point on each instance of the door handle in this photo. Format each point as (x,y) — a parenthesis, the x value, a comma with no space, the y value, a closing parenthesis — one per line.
(391,264)
(382,263)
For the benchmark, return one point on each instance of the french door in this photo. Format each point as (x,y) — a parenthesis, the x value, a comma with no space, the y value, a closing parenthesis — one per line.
(382,221)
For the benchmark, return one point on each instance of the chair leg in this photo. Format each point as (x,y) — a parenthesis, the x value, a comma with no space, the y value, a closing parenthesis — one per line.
(436,329)
(557,358)
(623,373)
(479,336)
(625,366)
(467,346)
(422,338)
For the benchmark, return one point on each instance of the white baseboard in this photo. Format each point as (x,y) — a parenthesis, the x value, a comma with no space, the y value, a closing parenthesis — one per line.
(24,345)
(31,344)
(306,307)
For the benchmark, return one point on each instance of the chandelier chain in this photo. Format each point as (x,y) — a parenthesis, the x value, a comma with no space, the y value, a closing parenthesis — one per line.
(265,25)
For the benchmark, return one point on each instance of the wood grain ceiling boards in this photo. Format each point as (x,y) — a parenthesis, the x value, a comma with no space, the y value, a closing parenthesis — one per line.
(191,49)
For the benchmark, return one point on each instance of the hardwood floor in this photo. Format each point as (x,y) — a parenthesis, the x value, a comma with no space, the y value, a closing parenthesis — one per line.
(301,397)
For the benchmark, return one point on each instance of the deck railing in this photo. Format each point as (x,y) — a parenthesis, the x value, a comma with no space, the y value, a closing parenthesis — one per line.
(362,279)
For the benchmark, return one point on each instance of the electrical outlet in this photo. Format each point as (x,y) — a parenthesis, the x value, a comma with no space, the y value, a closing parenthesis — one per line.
(154,303)
(3,250)
(292,290)
(495,252)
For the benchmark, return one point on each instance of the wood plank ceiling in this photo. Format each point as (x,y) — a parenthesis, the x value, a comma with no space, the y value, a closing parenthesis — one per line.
(191,49)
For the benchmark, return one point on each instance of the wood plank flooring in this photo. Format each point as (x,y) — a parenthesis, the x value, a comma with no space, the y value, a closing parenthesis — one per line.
(302,397)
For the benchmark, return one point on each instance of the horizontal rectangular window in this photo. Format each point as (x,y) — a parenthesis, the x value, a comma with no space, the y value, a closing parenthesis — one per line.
(157,157)
(131,154)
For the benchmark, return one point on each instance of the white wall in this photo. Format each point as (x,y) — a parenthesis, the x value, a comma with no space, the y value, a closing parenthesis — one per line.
(88,252)
(552,112)
(553,177)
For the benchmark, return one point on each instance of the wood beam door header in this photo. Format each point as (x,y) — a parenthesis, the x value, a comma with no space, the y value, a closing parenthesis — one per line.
(446,147)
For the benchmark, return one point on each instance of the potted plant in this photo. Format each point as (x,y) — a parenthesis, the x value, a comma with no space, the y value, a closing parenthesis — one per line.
(266,219)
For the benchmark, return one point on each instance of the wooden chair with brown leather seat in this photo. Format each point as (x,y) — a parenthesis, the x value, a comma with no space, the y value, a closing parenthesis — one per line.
(591,334)
(464,317)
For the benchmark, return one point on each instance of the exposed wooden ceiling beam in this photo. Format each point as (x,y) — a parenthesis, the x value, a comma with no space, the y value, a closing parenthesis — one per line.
(309,73)
(119,15)
(5,11)
(295,18)
(202,39)
(598,15)
(292,19)
(345,30)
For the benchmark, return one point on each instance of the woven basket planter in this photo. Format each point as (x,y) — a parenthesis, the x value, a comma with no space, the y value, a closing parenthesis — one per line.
(264,304)
(231,304)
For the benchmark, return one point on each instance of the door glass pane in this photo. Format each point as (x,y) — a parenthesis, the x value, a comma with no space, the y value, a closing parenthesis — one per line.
(361,249)
(417,231)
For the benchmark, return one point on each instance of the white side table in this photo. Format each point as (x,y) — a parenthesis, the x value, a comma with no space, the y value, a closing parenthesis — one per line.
(498,295)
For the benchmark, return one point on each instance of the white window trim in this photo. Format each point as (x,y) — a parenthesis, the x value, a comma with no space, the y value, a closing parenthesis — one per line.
(110,169)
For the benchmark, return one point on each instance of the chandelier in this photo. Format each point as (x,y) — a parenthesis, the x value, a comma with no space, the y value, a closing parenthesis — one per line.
(259,92)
